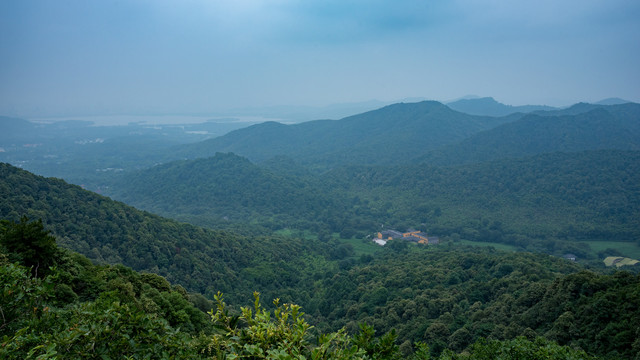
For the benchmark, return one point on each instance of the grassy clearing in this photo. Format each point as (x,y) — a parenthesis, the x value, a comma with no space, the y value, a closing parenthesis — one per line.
(362,248)
(359,246)
(497,246)
(619,261)
(628,249)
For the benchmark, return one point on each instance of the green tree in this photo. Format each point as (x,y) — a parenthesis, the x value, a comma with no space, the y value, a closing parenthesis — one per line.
(257,334)
(28,243)
(22,297)
(519,349)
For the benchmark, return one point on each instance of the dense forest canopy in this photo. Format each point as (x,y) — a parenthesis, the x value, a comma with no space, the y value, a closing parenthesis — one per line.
(422,299)
(535,203)
(199,259)
(291,215)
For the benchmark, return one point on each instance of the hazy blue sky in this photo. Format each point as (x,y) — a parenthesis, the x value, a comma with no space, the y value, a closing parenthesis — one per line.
(139,56)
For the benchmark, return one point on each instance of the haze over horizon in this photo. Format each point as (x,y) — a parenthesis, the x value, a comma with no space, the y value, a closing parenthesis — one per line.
(197,56)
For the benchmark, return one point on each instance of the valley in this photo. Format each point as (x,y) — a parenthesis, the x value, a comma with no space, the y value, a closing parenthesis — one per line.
(319,180)
(177,216)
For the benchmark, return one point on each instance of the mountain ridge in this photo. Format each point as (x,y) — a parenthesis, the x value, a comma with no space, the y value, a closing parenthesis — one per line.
(371,137)
(488,106)
(591,128)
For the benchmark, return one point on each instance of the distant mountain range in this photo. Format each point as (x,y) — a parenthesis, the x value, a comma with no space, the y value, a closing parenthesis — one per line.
(406,148)
(398,134)
(430,131)
(395,133)
(539,203)
(488,106)
(612,101)
(579,128)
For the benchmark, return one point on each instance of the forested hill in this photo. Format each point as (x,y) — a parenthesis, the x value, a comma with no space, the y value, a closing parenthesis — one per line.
(444,296)
(435,301)
(395,133)
(528,202)
(104,230)
(402,133)
(588,195)
(611,127)
(225,187)
(451,298)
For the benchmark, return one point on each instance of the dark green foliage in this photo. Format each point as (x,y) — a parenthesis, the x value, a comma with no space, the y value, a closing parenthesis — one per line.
(450,299)
(201,260)
(597,313)
(383,347)
(223,188)
(33,326)
(22,298)
(445,297)
(533,203)
(29,244)
(110,328)
(255,334)
(544,203)
(519,349)
(79,310)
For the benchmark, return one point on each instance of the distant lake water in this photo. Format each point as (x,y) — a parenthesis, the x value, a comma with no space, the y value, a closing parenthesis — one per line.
(121,120)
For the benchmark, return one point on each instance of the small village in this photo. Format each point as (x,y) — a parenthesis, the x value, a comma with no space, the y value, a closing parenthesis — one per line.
(411,235)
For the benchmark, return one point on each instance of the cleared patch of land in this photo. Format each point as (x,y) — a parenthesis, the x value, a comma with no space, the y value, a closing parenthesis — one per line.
(628,249)
(619,261)
(361,247)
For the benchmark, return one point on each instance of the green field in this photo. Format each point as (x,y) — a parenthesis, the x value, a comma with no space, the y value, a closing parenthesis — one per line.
(370,248)
(619,261)
(362,248)
(359,246)
(628,249)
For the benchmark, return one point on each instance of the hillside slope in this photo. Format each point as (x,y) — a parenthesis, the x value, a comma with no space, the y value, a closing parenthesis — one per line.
(530,202)
(225,187)
(104,230)
(612,127)
(445,297)
(450,298)
(588,195)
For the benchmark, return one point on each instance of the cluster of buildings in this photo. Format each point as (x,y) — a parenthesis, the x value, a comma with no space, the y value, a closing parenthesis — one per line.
(411,235)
